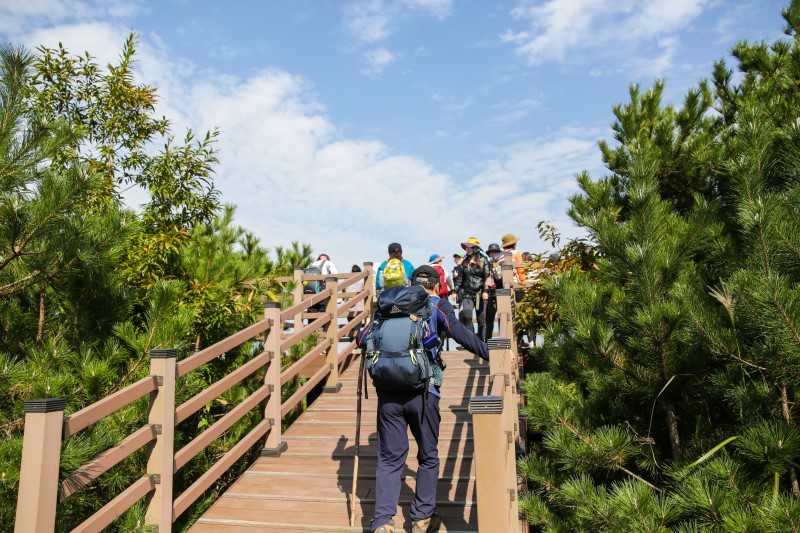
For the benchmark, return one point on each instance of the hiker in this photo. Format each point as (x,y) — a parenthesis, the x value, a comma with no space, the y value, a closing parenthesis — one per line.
(445,280)
(493,282)
(395,271)
(325,265)
(457,258)
(509,243)
(401,407)
(357,287)
(471,285)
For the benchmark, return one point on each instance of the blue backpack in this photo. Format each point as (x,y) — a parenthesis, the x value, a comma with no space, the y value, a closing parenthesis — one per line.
(397,358)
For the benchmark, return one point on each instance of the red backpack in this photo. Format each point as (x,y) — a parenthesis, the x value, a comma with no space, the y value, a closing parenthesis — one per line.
(444,290)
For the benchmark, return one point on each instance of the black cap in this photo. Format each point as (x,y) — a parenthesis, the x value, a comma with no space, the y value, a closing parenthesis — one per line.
(425,273)
(395,247)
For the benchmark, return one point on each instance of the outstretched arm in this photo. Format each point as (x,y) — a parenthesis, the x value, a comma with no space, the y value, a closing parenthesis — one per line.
(446,317)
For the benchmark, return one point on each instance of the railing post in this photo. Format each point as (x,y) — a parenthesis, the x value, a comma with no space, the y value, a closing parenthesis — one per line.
(161,463)
(332,334)
(41,457)
(274,445)
(501,367)
(297,298)
(497,506)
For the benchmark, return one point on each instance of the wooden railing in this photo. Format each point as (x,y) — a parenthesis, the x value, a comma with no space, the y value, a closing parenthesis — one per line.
(46,428)
(496,423)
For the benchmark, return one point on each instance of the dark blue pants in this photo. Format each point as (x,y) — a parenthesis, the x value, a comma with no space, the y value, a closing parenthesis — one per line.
(396,413)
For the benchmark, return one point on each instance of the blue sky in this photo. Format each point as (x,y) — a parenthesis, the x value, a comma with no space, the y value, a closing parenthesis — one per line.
(352,124)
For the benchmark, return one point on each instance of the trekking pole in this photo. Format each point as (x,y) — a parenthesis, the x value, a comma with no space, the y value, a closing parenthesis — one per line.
(359,392)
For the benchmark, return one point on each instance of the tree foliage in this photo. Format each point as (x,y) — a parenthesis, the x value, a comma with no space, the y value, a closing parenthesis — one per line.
(88,286)
(667,403)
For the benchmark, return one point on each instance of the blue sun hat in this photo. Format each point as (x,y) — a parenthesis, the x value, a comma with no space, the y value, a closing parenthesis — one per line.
(435,258)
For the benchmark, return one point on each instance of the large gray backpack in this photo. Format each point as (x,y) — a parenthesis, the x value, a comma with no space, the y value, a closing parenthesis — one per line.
(396,357)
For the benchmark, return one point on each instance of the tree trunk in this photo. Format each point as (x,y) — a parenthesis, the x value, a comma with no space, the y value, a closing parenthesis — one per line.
(787,415)
(674,436)
(40,329)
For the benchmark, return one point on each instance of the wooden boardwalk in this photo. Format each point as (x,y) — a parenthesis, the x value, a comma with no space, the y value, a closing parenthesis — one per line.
(308,488)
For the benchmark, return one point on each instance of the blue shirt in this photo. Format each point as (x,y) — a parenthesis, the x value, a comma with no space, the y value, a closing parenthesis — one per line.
(407,266)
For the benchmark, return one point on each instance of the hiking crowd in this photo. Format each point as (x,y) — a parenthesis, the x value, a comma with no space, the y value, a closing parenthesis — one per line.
(470,285)
(401,347)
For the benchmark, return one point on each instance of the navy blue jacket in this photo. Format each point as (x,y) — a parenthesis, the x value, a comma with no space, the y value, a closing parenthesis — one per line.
(443,318)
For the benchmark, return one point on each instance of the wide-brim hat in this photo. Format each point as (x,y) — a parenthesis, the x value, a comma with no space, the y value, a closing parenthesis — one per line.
(494,247)
(472,241)
(509,240)
(435,257)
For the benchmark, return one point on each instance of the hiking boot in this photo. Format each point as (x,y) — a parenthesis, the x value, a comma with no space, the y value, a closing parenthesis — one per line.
(385,528)
(429,525)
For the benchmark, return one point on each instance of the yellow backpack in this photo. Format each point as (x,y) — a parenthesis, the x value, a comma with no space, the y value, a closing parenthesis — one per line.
(394,274)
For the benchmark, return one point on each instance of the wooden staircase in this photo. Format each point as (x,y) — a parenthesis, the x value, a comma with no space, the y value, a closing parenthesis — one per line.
(308,488)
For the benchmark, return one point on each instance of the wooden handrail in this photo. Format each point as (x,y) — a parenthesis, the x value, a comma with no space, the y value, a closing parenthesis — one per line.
(303,391)
(304,361)
(289,313)
(344,330)
(110,404)
(215,350)
(164,415)
(114,509)
(294,338)
(347,350)
(195,403)
(100,464)
(344,306)
(219,427)
(496,423)
(352,280)
(211,475)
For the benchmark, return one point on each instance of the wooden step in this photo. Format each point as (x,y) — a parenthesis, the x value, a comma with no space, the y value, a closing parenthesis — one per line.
(299,515)
(321,489)
(337,431)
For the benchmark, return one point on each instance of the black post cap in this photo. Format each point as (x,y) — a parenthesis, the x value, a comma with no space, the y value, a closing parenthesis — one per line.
(271,305)
(45,405)
(367,263)
(163,353)
(506,267)
(502,292)
(498,343)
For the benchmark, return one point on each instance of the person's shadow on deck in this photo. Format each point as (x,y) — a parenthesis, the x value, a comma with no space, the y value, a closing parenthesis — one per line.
(344,454)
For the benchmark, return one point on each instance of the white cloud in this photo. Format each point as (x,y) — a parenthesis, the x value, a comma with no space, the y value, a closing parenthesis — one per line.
(295,177)
(576,30)
(373,21)
(377,60)
(367,20)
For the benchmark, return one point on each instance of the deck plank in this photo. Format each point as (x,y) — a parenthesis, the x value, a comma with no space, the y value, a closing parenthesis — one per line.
(308,488)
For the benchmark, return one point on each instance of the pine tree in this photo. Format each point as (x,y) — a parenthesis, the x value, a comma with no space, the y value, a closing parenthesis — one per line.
(672,369)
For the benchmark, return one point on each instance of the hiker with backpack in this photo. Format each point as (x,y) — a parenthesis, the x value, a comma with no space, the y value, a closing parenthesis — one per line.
(403,359)
(323,266)
(509,243)
(471,289)
(395,271)
(445,281)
